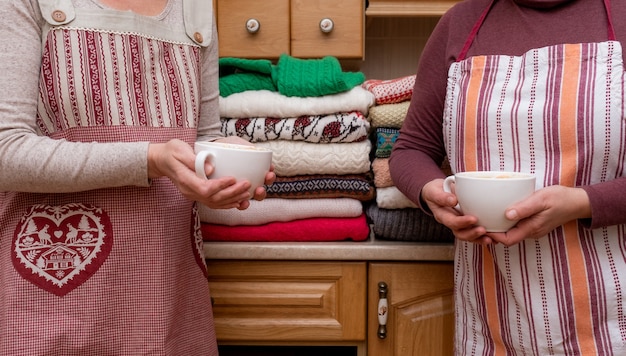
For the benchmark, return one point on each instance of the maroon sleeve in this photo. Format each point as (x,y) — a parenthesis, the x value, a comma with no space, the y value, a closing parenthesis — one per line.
(419,150)
(608,203)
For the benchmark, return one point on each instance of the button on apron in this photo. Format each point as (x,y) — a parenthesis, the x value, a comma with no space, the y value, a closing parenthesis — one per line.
(58,15)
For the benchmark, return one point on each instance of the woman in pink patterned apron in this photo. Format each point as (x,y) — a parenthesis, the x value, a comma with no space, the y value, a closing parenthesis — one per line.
(533,86)
(100,104)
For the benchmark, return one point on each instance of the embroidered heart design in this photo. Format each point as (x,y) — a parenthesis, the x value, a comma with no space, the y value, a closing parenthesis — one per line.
(58,248)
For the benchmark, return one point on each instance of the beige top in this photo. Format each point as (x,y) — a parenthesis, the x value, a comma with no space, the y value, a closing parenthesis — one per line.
(35,163)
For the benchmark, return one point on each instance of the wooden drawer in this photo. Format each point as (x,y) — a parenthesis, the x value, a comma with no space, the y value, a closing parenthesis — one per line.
(288,301)
(345,40)
(291,27)
(270,41)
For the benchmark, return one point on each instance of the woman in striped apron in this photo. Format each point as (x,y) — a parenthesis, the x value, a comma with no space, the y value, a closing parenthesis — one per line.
(533,86)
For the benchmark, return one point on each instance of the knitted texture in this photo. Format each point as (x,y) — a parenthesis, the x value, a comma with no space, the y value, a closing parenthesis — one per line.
(388,115)
(290,76)
(392,198)
(265,103)
(292,158)
(233,84)
(313,77)
(276,209)
(382,175)
(331,128)
(232,65)
(238,74)
(392,90)
(355,186)
(406,225)
(313,229)
(385,139)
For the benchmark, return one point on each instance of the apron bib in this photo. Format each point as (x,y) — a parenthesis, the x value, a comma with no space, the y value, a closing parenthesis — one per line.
(557,112)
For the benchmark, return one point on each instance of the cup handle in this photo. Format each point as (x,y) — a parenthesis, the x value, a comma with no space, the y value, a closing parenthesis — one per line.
(200,160)
(447,187)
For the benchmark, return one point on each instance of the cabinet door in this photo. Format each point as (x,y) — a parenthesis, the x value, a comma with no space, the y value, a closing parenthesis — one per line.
(288,301)
(343,19)
(237,38)
(420,313)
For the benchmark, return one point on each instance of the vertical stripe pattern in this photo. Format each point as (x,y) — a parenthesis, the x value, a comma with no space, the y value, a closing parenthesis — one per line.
(146,83)
(557,112)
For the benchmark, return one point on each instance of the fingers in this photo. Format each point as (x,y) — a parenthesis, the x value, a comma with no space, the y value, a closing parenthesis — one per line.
(473,233)
(260,193)
(224,193)
(217,193)
(537,202)
(270,177)
(442,206)
(433,194)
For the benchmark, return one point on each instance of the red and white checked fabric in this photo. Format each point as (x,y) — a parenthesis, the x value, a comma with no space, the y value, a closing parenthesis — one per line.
(115,271)
(392,90)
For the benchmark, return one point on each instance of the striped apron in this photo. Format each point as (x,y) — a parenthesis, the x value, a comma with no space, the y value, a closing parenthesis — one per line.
(555,111)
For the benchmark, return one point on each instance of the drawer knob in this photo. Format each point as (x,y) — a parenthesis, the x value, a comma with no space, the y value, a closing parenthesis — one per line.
(327,25)
(253,25)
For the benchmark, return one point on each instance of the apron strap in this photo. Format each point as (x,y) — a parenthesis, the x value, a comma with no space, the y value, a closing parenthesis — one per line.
(472,35)
(470,39)
(607,7)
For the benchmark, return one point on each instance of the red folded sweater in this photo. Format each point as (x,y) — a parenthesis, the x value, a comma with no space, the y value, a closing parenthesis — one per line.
(313,229)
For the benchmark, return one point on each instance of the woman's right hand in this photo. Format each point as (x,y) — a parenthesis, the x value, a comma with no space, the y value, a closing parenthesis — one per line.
(175,159)
(442,204)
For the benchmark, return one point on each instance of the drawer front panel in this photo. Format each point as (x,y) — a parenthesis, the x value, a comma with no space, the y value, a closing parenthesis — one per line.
(272,37)
(346,38)
(295,301)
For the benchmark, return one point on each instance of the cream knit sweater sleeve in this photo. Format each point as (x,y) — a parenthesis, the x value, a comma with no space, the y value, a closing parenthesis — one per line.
(33,163)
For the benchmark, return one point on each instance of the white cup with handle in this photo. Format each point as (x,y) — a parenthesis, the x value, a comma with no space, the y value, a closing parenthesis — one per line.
(243,162)
(487,194)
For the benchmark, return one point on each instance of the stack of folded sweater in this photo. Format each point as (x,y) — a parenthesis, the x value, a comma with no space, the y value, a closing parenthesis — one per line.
(393,215)
(313,116)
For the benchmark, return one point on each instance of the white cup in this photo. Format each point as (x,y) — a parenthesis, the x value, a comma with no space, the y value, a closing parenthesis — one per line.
(487,194)
(231,160)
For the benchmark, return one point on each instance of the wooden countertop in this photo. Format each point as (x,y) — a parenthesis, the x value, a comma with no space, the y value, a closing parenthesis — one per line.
(369,250)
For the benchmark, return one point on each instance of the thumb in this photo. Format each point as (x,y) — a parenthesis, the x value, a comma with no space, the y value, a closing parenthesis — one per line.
(522,209)
(512,214)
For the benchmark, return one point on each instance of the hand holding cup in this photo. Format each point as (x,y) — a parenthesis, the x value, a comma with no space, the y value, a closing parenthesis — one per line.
(487,194)
(242,162)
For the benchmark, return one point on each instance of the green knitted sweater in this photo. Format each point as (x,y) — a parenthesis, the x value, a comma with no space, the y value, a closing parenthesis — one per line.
(290,76)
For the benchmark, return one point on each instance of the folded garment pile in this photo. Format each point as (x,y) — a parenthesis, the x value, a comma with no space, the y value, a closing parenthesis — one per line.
(313,116)
(393,215)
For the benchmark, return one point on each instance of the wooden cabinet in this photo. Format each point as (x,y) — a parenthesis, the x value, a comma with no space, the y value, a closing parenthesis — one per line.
(273,301)
(301,28)
(420,309)
(334,303)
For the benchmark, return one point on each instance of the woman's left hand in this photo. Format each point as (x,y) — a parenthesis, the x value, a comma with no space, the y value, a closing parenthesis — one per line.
(542,212)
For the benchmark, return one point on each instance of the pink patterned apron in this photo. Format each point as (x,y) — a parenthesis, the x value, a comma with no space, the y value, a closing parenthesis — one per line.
(558,112)
(114,271)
